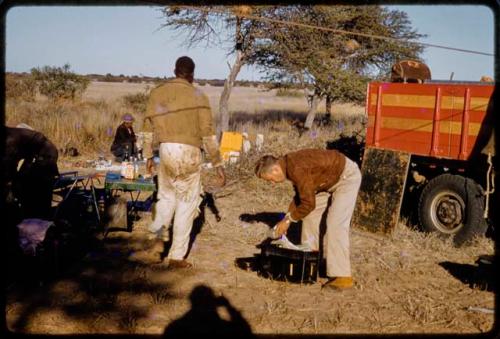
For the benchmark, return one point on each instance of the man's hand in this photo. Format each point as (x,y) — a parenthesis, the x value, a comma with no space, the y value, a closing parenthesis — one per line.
(150,166)
(282,227)
(222,176)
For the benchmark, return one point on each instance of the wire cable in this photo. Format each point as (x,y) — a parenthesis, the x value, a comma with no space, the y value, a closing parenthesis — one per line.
(327,29)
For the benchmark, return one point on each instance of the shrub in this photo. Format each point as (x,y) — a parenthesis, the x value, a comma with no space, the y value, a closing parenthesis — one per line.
(59,82)
(111,78)
(136,101)
(216,82)
(134,79)
(285,92)
(20,88)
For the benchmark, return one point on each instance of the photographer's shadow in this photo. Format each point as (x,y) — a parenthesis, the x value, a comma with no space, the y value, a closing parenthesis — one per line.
(204,318)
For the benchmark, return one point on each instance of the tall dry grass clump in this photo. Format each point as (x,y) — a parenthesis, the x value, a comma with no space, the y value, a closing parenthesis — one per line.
(88,126)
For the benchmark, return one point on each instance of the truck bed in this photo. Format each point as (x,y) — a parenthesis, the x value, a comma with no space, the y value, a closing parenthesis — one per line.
(438,119)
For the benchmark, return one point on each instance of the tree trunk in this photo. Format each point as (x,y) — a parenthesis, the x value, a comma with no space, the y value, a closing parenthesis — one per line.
(226,93)
(328,107)
(312,111)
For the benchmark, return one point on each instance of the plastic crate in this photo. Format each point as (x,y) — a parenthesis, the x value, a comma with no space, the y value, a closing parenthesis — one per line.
(289,265)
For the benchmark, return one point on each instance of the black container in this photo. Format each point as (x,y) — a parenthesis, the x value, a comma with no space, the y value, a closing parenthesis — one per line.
(289,265)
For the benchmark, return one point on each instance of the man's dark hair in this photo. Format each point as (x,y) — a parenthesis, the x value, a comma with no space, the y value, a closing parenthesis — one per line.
(184,67)
(264,164)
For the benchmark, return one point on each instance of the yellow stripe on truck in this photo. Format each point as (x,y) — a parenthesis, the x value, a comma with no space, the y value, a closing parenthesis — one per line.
(428,101)
(420,125)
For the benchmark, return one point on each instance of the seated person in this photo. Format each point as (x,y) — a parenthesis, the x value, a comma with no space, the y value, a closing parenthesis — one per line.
(124,142)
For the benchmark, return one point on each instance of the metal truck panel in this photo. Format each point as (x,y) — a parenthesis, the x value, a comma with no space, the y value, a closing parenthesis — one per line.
(381,191)
(431,119)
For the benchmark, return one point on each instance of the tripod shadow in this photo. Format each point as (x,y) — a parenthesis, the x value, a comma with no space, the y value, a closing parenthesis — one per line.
(204,318)
(208,201)
(480,276)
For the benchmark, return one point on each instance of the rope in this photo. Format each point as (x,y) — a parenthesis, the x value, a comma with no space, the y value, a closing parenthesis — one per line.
(490,181)
(339,31)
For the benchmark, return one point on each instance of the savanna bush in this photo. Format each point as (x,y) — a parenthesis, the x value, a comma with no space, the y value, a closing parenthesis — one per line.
(20,88)
(137,102)
(59,82)
(89,127)
(285,92)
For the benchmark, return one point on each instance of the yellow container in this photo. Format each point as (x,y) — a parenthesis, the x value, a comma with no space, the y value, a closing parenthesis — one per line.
(231,142)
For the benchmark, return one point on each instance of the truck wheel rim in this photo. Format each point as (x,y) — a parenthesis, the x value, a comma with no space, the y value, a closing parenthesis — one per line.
(447,212)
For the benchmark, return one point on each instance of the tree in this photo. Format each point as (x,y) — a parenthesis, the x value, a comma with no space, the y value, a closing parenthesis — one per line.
(216,26)
(59,82)
(332,65)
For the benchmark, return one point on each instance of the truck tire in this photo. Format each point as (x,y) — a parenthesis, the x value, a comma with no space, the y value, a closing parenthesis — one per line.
(452,205)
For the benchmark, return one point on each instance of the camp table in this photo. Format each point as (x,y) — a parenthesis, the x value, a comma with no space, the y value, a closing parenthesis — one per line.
(114,183)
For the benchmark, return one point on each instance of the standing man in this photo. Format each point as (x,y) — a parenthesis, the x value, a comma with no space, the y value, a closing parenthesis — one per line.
(179,116)
(317,176)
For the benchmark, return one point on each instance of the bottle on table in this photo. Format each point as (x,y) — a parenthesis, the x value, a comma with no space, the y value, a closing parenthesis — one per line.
(126,156)
(129,170)
(136,168)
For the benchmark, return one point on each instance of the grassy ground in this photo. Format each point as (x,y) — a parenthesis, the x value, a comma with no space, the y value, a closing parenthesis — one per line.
(407,282)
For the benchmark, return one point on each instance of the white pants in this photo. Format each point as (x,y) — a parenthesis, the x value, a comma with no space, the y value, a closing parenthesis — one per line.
(179,189)
(338,220)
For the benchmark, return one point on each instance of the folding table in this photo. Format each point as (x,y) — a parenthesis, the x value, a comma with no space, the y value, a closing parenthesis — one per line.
(114,182)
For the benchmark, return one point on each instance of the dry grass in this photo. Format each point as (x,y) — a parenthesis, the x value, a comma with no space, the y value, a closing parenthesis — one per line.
(89,125)
(112,91)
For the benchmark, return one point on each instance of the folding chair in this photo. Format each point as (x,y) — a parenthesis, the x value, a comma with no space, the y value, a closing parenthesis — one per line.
(68,183)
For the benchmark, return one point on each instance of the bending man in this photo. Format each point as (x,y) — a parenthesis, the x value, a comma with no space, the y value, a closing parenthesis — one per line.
(318,175)
(30,169)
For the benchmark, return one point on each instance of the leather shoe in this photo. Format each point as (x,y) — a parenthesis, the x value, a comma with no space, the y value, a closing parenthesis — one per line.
(339,283)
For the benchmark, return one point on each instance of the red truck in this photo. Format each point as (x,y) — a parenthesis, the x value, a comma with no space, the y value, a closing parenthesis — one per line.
(432,141)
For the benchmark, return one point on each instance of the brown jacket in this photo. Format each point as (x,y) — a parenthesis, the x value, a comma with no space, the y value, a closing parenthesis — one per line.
(178,112)
(311,171)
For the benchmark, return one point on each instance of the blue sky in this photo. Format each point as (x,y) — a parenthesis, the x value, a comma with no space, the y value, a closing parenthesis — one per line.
(126,40)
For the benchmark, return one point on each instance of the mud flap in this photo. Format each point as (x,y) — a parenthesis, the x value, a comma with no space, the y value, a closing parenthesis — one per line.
(381,191)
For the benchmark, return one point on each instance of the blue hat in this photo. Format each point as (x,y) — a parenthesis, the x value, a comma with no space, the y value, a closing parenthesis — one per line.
(128,117)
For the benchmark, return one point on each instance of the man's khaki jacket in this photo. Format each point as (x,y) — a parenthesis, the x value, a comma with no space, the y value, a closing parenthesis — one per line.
(178,112)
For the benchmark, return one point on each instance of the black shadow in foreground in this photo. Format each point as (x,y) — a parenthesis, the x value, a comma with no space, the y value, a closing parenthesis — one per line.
(203,318)
(479,276)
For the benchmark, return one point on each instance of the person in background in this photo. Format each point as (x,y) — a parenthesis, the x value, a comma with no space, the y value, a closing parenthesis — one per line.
(30,170)
(124,143)
(319,175)
(179,118)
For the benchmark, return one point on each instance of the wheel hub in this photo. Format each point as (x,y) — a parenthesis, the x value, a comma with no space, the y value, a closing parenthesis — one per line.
(448,212)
